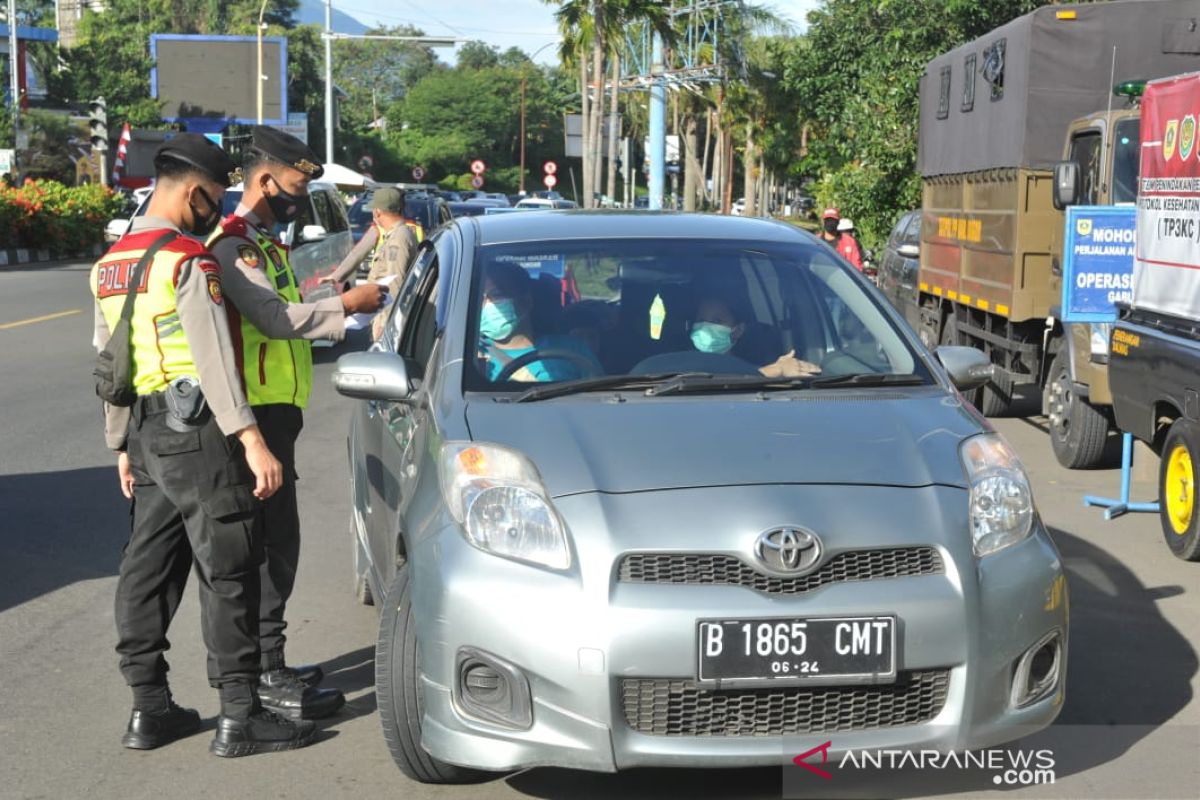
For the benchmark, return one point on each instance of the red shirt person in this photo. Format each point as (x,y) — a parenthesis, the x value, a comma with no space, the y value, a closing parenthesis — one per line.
(841,241)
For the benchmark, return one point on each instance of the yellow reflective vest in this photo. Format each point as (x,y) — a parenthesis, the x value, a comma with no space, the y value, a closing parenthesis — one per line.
(158,346)
(275,370)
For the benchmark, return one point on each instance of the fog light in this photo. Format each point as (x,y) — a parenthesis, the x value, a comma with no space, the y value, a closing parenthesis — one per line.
(1037,671)
(492,690)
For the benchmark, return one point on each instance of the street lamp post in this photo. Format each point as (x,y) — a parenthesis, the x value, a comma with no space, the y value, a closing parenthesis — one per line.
(15,86)
(259,82)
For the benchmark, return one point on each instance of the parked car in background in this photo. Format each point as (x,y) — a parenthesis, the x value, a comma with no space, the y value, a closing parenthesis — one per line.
(466,209)
(318,239)
(500,196)
(897,270)
(739,207)
(545,203)
(116,228)
(625,545)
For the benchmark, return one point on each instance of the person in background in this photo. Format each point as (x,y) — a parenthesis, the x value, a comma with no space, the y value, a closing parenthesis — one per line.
(841,241)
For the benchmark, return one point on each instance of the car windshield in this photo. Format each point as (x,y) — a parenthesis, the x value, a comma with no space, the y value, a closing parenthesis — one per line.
(558,311)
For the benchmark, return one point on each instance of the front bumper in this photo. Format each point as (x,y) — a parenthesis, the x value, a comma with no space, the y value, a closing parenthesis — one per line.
(578,636)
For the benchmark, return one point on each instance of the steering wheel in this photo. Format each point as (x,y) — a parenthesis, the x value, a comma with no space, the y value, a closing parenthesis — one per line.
(547,355)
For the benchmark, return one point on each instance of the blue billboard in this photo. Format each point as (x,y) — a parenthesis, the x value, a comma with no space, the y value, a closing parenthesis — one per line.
(1098,254)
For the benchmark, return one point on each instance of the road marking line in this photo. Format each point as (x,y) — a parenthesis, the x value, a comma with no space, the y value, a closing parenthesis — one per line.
(43,318)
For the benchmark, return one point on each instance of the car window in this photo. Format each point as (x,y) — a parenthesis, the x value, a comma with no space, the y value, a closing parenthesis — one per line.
(641,306)
(337,213)
(404,297)
(320,201)
(420,326)
(912,232)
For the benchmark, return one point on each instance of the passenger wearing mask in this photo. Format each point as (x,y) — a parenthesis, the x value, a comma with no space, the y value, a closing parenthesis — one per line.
(840,240)
(718,329)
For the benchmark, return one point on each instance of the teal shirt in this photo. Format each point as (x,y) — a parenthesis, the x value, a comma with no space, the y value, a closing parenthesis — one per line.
(552,369)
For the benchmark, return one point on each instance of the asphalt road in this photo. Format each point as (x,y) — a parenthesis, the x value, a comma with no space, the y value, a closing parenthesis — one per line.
(1130,727)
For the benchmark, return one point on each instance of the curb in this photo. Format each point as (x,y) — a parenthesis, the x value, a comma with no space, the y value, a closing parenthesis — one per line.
(19,256)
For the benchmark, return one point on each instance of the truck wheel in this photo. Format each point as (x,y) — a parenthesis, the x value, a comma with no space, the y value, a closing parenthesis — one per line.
(989,402)
(398,691)
(1078,431)
(1177,491)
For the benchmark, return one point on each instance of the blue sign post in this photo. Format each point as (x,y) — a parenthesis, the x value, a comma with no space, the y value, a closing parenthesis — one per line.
(1098,254)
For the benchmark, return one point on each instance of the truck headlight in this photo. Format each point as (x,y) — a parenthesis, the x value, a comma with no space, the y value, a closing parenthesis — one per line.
(1001,501)
(497,496)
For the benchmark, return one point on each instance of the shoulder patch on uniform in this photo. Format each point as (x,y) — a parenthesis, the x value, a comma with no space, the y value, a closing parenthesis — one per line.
(209,265)
(248,253)
(214,288)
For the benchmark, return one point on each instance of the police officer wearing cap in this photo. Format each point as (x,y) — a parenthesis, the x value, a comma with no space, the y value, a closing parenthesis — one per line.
(191,457)
(389,242)
(277,359)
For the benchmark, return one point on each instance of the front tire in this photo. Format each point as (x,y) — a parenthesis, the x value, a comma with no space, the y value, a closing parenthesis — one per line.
(398,691)
(1177,490)
(1078,432)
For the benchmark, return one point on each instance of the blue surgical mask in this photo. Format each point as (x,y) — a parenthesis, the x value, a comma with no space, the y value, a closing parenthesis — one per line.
(711,337)
(498,320)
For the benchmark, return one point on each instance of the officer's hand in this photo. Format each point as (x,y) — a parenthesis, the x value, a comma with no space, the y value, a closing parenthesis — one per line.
(268,472)
(367,298)
(125,475)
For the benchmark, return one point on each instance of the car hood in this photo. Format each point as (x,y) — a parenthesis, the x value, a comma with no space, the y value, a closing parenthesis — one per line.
(594,442)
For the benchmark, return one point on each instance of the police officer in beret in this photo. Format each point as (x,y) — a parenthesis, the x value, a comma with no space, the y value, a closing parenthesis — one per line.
(277,357)
(191,457)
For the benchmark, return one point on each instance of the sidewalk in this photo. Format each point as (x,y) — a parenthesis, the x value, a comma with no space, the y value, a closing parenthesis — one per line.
(19,256)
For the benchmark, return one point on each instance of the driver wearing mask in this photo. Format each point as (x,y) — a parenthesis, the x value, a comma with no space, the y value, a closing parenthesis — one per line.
(506,334)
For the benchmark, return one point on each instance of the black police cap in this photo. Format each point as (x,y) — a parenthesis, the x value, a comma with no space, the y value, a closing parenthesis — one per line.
(286,149)
(203,154)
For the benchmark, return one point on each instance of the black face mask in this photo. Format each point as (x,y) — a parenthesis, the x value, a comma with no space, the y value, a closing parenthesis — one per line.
(203,225)
(830,226)
(284,205)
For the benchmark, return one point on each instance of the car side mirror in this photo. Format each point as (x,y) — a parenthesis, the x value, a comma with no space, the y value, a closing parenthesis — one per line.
(1067,184)
(968,367)
(372,376)
(313,233)
(908,250)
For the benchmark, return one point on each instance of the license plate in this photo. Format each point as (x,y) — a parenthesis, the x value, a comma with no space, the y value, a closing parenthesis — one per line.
(849,649)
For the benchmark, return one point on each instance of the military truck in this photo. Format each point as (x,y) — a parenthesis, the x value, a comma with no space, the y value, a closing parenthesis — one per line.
(996,115)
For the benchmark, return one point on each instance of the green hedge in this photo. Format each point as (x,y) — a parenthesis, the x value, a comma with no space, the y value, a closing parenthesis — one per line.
(46,215)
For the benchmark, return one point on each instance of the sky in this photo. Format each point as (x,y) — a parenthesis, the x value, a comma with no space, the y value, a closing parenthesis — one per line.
(527,24)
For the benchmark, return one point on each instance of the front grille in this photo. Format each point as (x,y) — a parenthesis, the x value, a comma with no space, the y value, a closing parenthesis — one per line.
(726,570)
(662,707)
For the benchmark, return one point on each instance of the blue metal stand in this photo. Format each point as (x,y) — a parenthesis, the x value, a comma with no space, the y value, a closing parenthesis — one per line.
(1115,508)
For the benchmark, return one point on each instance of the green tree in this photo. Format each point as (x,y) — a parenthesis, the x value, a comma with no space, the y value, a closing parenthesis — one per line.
(478,55)
(376,73)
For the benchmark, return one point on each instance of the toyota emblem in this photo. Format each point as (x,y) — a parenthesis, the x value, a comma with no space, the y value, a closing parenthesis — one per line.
(788,549)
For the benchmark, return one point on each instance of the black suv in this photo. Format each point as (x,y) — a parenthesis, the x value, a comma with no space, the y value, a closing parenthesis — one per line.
(428,210)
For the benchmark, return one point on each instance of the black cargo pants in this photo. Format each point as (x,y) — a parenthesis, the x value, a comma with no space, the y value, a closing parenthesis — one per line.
(279,531)
(193,500)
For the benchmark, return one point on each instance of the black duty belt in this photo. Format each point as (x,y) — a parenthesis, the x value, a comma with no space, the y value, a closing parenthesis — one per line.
(152,403)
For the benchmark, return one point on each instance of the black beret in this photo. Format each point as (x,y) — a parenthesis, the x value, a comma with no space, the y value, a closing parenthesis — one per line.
(286,149)
(201,153)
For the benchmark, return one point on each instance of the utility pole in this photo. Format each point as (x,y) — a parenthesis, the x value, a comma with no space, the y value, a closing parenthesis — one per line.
(14,85)
(328,81)
(258,83)
(658,125)
(521,187)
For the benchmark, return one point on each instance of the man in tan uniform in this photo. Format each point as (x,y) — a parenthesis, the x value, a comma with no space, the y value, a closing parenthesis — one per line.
(192,469)
(389,242)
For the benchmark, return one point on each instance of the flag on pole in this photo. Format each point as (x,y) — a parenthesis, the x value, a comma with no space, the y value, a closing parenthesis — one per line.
(119,162)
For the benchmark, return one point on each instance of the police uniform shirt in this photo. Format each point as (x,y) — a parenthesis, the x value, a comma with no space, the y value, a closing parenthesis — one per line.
(205,322)
(392,256)
(245,282)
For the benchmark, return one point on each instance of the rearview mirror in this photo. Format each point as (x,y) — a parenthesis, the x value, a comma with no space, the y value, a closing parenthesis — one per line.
(908,250)
(1066,184)
(372,376)
(313,233)
(968,368)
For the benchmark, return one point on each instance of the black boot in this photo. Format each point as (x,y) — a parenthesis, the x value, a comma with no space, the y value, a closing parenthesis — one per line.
(309,674)
(281,691)
(262,732)
(150,729)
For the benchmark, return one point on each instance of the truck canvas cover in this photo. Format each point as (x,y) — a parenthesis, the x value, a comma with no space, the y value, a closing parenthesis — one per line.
(1166,270)
(1005,99)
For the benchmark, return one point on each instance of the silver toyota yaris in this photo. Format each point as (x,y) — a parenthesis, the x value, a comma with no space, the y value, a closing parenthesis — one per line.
(668,490)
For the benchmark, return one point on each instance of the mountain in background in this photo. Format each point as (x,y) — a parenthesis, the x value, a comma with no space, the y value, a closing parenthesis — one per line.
(312,12)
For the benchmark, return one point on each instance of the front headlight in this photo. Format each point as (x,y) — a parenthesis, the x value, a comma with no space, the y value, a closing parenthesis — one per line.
(497,496)
(1001,500)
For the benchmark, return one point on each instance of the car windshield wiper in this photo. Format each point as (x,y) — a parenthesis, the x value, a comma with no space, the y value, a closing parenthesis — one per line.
(717,383)
(867,379)
(563,388)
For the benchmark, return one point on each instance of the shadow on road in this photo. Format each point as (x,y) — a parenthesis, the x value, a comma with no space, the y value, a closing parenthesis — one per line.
(1115,698)
(59,528)
(352,673)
